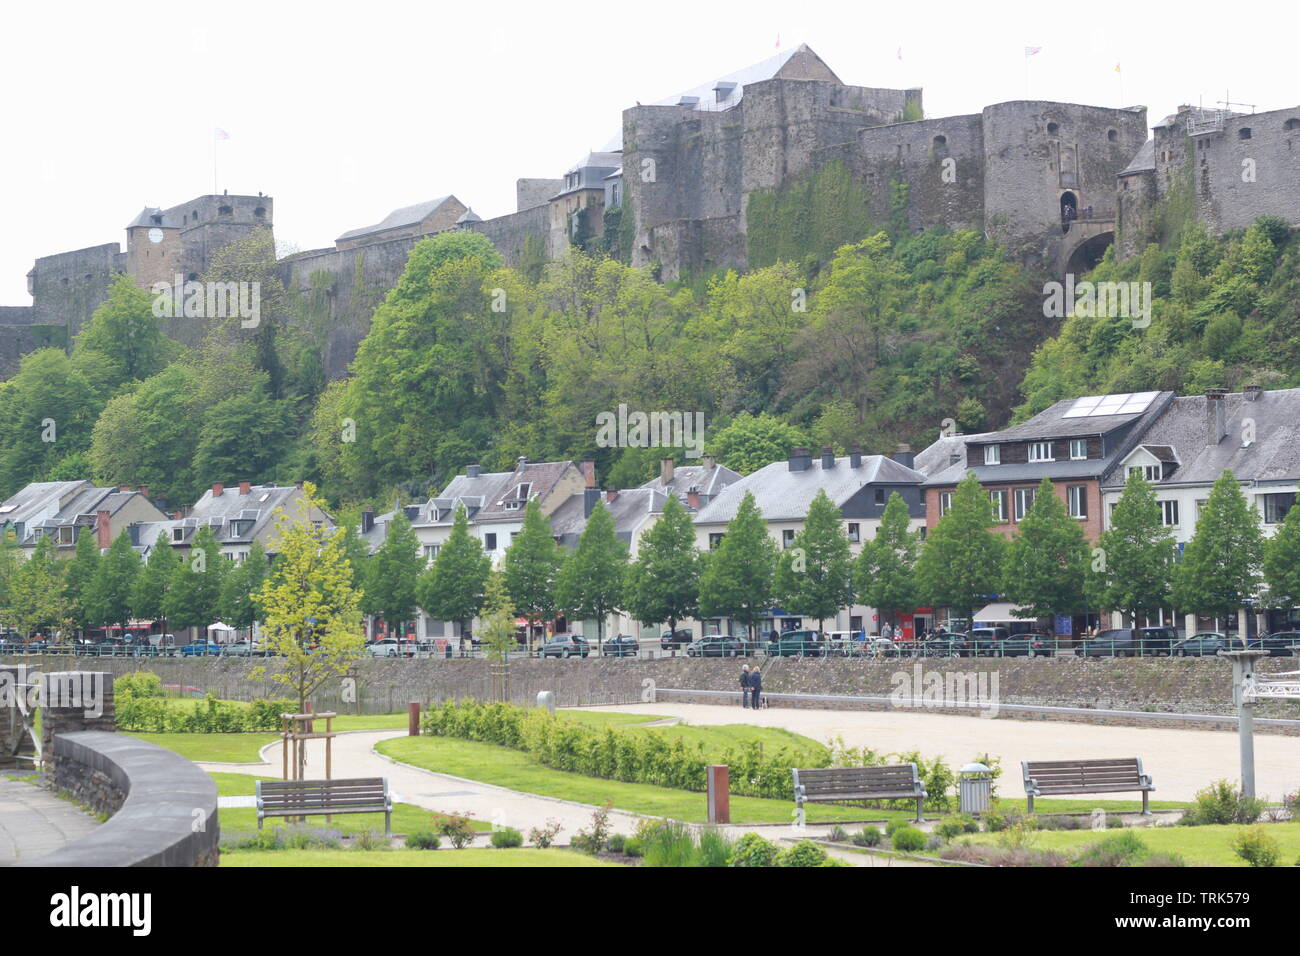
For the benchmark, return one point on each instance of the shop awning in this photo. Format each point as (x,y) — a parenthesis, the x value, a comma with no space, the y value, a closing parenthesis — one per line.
(997,613)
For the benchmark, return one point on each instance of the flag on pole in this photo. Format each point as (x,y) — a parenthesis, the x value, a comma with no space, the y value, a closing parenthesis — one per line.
(778,41)
(221,133)
(900,52)
(1117,69)
(1031,50)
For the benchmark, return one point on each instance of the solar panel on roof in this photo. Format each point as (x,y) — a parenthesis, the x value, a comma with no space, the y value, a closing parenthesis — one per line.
(1123,403)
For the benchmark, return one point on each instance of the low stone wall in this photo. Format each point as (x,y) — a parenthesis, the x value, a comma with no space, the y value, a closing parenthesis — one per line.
(1180,685)
(163,808)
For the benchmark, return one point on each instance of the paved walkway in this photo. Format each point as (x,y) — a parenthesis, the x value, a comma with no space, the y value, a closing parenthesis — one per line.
(35,823)
(1179,761)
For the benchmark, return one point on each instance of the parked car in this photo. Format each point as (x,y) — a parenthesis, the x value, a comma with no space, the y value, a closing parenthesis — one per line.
(797,644)
(1205,644)
(1279,644)
(1029,645)
(243,648)
(675,640)
(200,649)
(1131,642)
(718,645)
(564,645)
(621,645)
(944,645)
(388,647)
(986,641)
(846,643)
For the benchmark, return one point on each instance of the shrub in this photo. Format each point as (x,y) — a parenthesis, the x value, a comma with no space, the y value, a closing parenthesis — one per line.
(714,848)
(616,843)
(594,840)
(1121,849)
(1019,835)
(949,828)
(1061,823)
(1222,802)
(753,850)
(543,837)
(894,825)
(507,837)
(371,840)
(456,828)
(803,853)
(1115,822)
(1256,847)
(908,840)
(839,834)
(141,684)
(303,837)
(141,714)
(422,840)
(669,843)
(995,821)
(632,846)
(868,836)
(969,823)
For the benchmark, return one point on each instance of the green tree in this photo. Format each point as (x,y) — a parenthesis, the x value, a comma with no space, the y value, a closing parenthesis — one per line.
(149,594)
(125,331)
(108,598)
(589,583)
(1047,560)
(393,572)
(78,576)
(885,572)
(1132,565)
(1219,569)
(454,586)
(47,411)
(497,629)
(737,578)
(961,563)
(748,442)
(237,604)
(1282,562)
(193,600)
(663,583)
(147,436)
(530,566)
(815,575)
(311,611)
(36,595)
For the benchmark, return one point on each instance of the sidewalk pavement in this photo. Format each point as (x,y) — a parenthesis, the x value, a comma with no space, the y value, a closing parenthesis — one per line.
(34,822)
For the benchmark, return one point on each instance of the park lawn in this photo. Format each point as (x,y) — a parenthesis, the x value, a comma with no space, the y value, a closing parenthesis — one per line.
(476,857)
(607,718)
(1061,805)
(236,784)
(518,771)
(716,740)
(213,748)
(1198,846)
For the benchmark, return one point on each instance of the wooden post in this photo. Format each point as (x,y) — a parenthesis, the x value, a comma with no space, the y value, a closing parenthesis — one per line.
(413,719)
(719,777)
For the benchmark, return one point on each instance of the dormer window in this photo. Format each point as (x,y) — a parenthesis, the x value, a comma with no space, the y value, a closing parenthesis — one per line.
(1040,451)
(992,454)
(178,535)
(1078,449)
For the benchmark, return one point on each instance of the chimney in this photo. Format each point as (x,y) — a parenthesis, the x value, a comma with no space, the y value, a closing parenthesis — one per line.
(589,498)
(828,458)
(367,521)
(177,515)
(1252,393)
(521,461)
(666,470)
(611,494)
(855,456)
(102,532)
(144,490)
(800,460)
(471,471)
(245,487)
(1216,421)
(903,455)
(709,462)
(693,499)
(589,472)
(217,489)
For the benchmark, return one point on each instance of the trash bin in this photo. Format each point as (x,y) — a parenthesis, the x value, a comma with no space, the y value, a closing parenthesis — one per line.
(975,788)
(546,699)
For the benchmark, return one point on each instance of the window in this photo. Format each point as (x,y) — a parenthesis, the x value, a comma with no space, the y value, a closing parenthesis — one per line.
(1200,507)
(1040,451)
(1077,499)
(855,533)
(1112,135)
(431,552)
(1024,501)
(1053,128)
(1149,472)
(1169,513)
(945,502)
(1291,124)
(992,454)
(940,141)
(715,539)
(1078,449)
(1243,133)
(178,534)
(880,496)
(1276,507)
(787,538)
(490,541)
(999,501)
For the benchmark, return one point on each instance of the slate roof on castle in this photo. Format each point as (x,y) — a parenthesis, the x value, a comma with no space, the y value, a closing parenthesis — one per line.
(1274,455)
(398,218)
(784,495)
(705,96)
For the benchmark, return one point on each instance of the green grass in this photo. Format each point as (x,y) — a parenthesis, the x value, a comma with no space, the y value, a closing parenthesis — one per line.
(520,857)
(607,718)
(213,748)
(518,771)
(1058,805)
(236,784)
(1198,846)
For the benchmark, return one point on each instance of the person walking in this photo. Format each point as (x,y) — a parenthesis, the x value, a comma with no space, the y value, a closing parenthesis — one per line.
(887,632)
(744,686)
(756,688)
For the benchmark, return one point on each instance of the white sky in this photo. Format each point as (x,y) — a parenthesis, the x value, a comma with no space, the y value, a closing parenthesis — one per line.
(342,112)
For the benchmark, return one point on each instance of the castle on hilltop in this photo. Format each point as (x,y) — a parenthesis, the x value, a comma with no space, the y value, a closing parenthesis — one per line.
(677,191)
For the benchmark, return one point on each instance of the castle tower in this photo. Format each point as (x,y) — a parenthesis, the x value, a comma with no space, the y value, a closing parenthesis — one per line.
(153,247)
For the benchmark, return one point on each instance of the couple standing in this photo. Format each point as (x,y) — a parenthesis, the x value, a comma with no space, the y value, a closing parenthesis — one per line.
(751,687)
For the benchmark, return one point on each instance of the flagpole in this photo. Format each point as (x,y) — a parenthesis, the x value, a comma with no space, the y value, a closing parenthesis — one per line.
(214,161)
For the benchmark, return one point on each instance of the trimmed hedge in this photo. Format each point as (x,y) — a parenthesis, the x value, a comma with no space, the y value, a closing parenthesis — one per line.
(153,715)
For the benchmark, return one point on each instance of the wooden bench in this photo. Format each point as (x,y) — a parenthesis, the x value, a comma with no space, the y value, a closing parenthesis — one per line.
(1120,775)
(296,798)
(837,784)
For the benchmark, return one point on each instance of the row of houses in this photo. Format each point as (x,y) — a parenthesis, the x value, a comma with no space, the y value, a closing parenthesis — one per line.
(1086,447)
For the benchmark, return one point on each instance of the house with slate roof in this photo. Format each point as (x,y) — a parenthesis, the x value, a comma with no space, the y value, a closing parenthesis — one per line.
(61,510)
